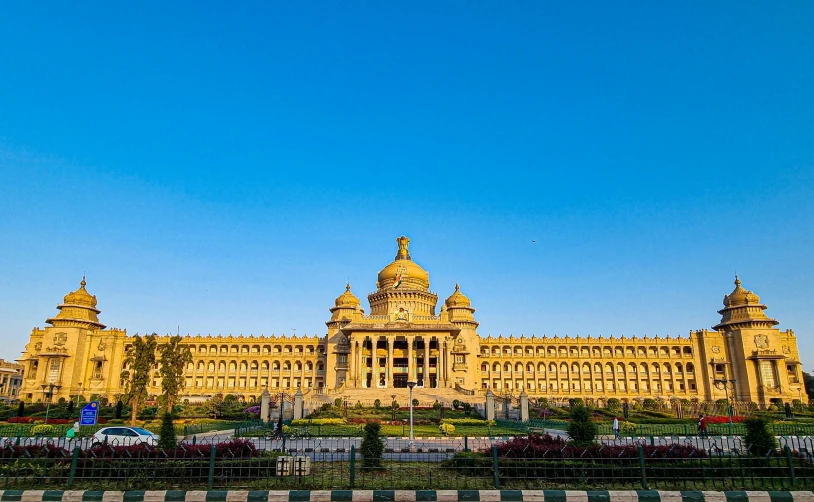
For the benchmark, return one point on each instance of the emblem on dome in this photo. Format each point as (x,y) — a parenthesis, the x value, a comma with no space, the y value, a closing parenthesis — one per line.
(60,339)
(716,350)
(403,254)
(761,341)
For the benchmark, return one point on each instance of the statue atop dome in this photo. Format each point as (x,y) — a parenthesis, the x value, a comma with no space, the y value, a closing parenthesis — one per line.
(403,254)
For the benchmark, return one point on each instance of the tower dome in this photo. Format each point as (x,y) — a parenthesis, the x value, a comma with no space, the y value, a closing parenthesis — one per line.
(78,309)
(457,299)
(347,299)
(403,272)
(740,296)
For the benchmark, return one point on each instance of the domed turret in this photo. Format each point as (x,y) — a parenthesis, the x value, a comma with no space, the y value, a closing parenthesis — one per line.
(347,299)
(457,299)
(403,272)
(740,296)
(78,309)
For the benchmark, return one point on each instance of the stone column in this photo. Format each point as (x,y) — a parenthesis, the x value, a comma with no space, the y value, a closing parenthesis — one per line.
(298,404)
(524,407)
(265,398)
(388,379)
(410,365)
(426,362)
(490,405)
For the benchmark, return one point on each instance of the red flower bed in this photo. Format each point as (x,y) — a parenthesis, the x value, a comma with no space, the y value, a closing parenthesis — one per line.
(235,448)
(51,421)
(736,419)
(547,447)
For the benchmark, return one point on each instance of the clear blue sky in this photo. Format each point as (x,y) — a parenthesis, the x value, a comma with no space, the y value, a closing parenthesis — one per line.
(228,167)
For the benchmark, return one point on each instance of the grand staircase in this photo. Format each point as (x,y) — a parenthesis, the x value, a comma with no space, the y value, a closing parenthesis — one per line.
(426,397)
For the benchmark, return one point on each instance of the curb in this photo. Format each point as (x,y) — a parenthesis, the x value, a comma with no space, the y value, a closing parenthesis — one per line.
(403,496)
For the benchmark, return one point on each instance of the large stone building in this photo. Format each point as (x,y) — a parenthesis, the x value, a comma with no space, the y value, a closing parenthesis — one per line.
(11,379)
(405,338)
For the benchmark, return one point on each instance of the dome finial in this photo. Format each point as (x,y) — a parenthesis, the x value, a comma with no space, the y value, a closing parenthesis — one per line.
(457,288)
(403,253)
(83,283)
(347,286)
(737,280)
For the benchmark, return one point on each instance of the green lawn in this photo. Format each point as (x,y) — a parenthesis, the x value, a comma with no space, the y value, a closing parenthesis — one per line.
(354,430)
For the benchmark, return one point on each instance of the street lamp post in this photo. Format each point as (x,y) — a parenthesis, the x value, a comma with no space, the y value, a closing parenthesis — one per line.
(48,395)
(726,386)
(412,441)
(78,393)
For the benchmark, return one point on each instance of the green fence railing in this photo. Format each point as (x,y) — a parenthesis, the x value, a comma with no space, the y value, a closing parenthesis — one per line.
(680,429)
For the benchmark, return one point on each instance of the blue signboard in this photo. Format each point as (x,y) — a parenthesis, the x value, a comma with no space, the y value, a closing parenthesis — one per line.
(89,413)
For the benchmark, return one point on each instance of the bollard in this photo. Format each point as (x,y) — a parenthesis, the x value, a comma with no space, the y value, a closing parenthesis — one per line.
(194,439)
(494,467)
(488,430)
(641,467)
(790,462)
(211,479)
(652,442)
(282,445)
(74,460)
(352,465)
(466,443)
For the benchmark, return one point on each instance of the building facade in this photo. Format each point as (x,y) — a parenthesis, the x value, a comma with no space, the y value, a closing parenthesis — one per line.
(11,379)
(406,338)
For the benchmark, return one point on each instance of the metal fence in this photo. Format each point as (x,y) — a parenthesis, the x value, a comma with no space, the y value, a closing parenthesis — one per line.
(454,463)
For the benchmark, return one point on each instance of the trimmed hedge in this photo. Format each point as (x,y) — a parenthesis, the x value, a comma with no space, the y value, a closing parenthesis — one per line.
(468,421)
(319,421)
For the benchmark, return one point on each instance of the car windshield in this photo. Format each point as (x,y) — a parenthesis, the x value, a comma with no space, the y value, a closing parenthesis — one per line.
(141,431)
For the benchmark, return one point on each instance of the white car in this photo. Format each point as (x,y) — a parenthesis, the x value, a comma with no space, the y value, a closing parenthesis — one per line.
(123,436)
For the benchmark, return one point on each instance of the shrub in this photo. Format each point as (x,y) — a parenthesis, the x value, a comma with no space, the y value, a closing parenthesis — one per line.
(338,402)
(581,429)
(319,421)
(43,430)
(415,402)
(467,421)
(447,429)
(372,447)
(614,404)
(377,404)
(166,438)
(456,404)
(359,405)
(436,405)
(650,404)
(759,441)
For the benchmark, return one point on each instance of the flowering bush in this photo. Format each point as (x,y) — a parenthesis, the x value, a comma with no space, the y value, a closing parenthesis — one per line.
(252,410)
(736,419)
(548,447)
(43,430)
(447,429)
(319,421)
(467,421)
(233,448)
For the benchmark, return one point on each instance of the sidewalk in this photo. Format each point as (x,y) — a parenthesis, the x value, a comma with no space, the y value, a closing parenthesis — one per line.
(403,496)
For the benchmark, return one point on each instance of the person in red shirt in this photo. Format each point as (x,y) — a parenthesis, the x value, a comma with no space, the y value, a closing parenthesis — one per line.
(702,425)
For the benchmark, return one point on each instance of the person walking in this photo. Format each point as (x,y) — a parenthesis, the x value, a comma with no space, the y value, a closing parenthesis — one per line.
(616,428)
(702,425)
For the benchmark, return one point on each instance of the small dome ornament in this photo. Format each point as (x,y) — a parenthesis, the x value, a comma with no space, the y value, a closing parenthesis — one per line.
(80,296)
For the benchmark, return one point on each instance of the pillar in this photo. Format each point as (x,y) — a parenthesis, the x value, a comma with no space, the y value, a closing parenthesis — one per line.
(490,405)
(265,399)
(410,365)
(524,406)
(426,363)
(388,379)
(298,404)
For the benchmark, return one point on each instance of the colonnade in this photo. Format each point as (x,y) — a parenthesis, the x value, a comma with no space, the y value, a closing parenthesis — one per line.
(422,359)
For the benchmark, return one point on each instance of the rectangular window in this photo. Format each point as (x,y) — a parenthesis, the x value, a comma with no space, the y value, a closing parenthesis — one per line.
(767,374)
(53,370)
(792,372)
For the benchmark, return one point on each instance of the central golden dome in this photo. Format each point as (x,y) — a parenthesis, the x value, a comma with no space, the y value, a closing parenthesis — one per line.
(403,273)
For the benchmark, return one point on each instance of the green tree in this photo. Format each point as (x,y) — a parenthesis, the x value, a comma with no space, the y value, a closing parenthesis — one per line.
(581,428)
(215,405)
(138,364)
(808,381)
(173,358)
(372,447)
